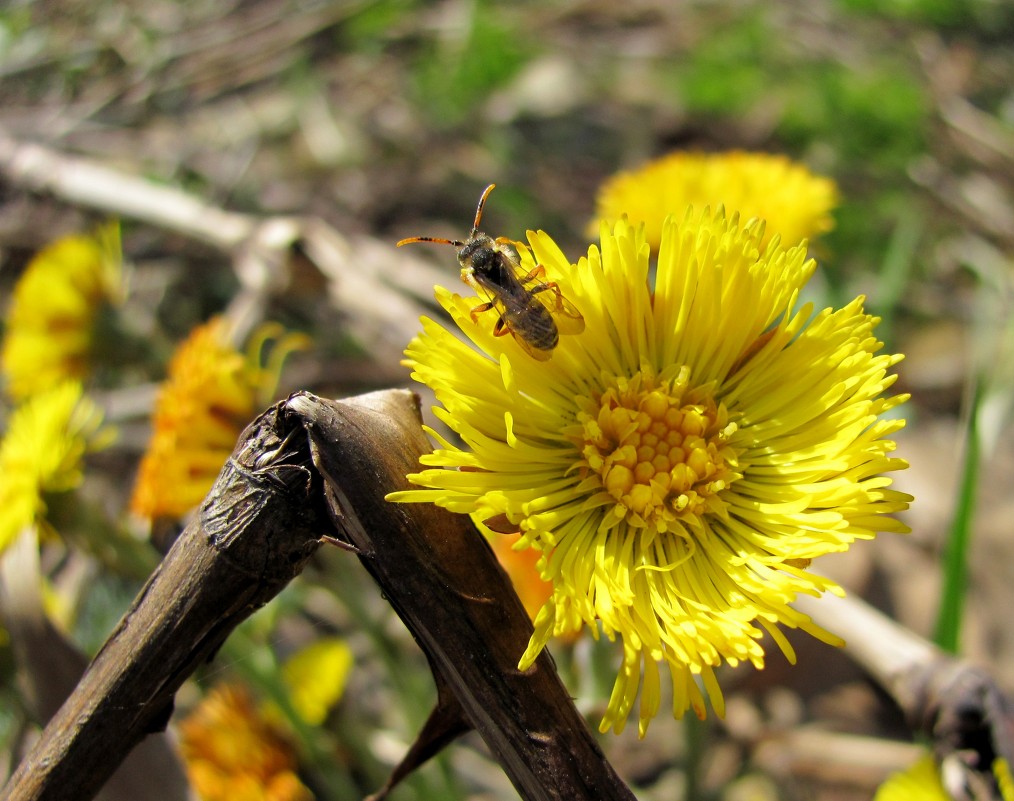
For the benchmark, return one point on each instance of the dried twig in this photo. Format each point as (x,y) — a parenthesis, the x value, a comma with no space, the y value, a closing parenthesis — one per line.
(49,666)
(254,532)
(446,585)
(380,294)
(968,718)
(304,463)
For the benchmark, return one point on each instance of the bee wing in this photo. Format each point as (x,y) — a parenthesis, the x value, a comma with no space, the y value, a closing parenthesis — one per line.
(503,327)
(568,319)
(536,353)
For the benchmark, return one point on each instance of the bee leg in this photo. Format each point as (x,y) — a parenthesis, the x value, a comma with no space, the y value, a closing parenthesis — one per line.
(482,307)
(553,287)
(501,324)
(537,272)
(501,327)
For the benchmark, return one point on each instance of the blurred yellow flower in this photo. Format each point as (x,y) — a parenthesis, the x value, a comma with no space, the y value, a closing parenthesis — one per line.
(522,568)
(794,203)
(922,782)
(678,463)
(233,753)
(211,393)
(316,677)
(42,451)
(1004,778)
(54,308)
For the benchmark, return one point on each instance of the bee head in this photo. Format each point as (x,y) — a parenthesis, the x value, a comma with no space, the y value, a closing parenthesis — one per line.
(479,253)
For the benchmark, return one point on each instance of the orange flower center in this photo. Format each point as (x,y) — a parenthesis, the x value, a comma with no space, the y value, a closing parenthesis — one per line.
(660,449)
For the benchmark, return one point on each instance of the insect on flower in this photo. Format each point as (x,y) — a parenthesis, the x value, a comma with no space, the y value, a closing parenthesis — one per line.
(531,309)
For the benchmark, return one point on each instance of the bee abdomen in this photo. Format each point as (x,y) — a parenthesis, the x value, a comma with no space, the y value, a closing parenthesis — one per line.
(535,324)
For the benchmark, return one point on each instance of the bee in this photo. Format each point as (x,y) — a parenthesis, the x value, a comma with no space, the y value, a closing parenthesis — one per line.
(531,309)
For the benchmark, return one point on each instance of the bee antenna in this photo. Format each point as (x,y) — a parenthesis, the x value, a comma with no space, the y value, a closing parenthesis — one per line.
(455,242)
(478,211)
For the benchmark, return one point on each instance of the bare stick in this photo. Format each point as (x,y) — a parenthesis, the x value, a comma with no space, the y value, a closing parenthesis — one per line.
(378,290)
(253,534)
(302,464)
(50,665)
(957,705)
(446,585)
(84,183)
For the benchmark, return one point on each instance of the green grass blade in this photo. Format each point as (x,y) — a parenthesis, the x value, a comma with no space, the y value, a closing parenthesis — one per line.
(955,571)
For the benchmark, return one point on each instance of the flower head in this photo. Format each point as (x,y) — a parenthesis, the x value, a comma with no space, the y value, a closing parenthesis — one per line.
(921,782)
(46,440)
(55,305)
(793,202)
(521,566)
(678,463)
(924,781)
(211,393)
(316,676)
(232,751)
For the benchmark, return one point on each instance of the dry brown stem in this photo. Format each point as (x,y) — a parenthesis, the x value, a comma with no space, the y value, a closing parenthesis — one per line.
(50,665)
(956,704)
(363,276)
(446,585)
(304,470)
(254,532)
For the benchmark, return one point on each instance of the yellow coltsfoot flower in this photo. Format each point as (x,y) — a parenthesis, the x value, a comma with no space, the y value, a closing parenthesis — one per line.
(678,463)
(54,308)
(921,782)
(42,452)
(211,393)
(233,751)
(793,202)
(315,677)
(521,566)
(924,781)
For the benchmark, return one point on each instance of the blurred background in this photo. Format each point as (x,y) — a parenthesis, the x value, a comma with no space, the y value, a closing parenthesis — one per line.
(385,120)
